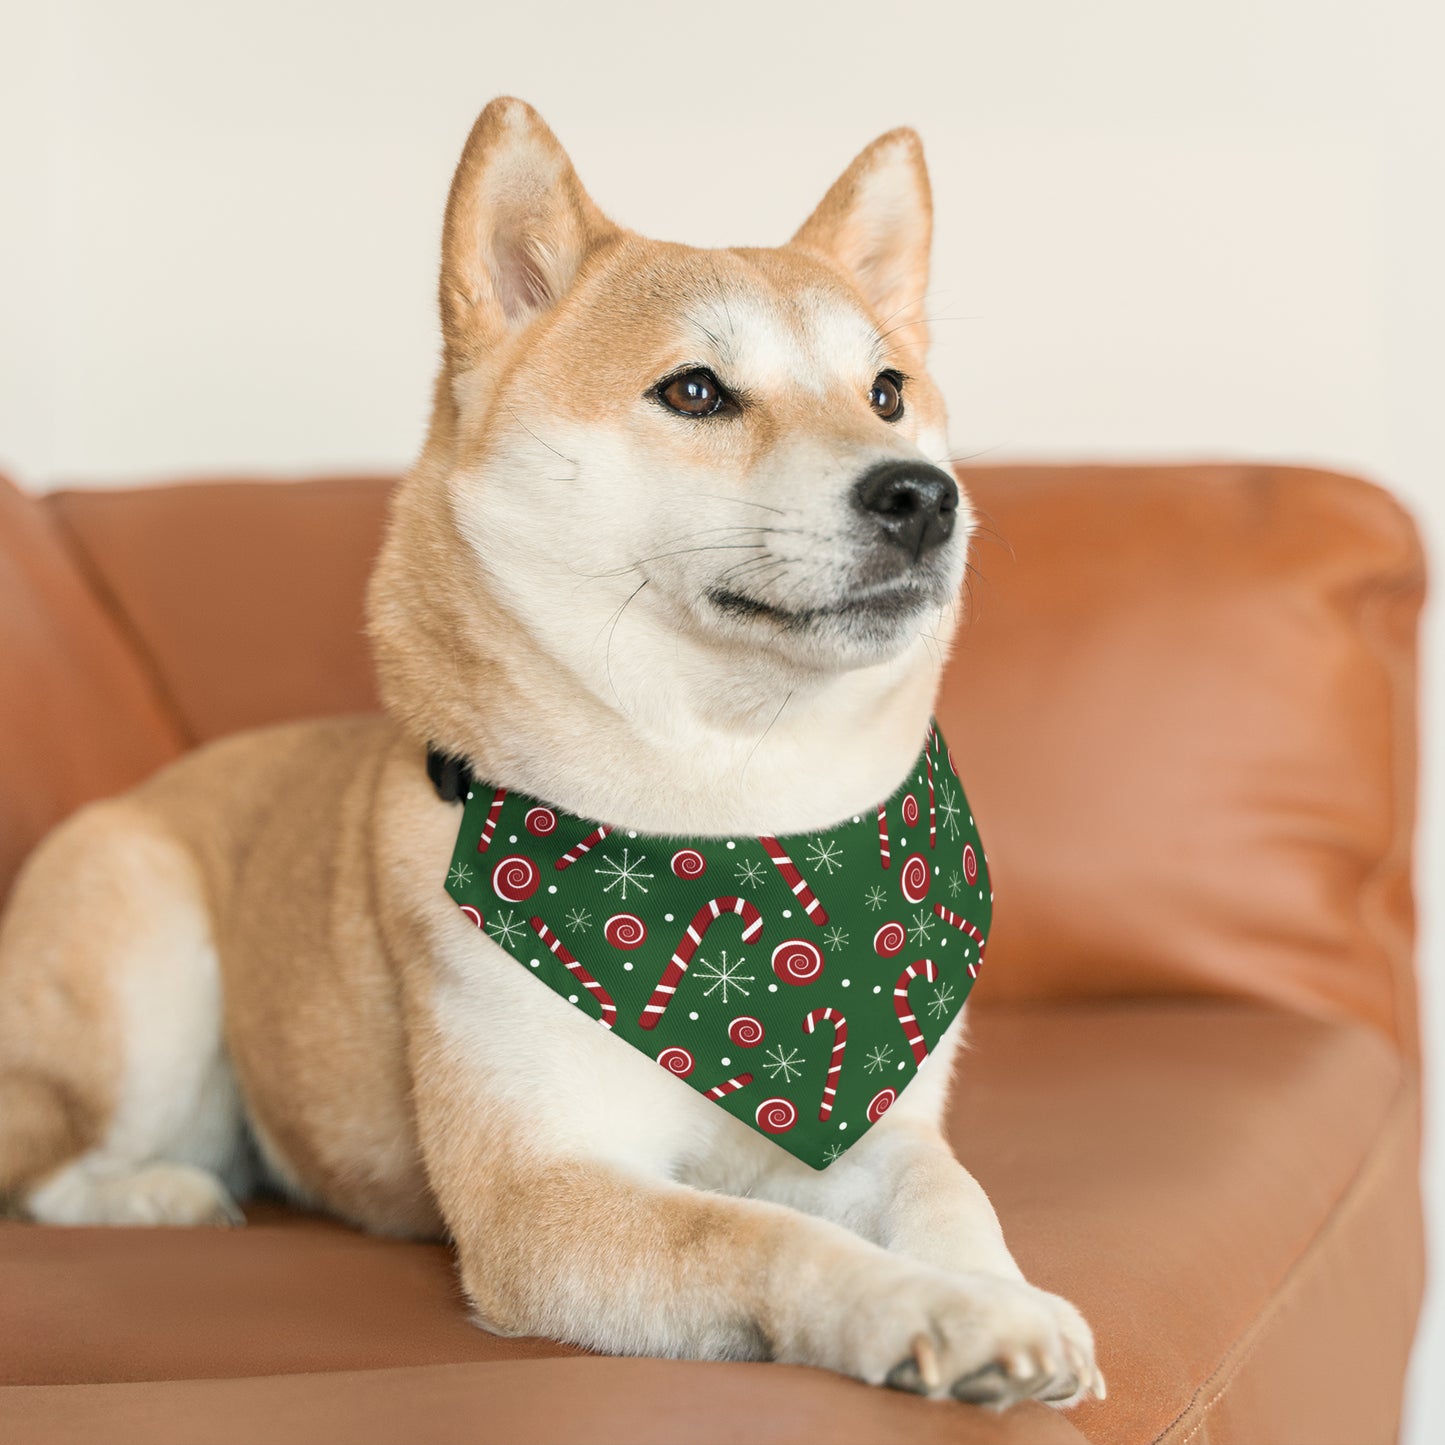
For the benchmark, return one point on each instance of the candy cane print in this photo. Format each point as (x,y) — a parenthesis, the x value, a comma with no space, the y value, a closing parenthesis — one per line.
(932,810)
(883,854)
(609,1009)
(729,1086)
(490,826)
(970,929)
(900,1005)
(794,880)
(835,1065)
(702,920)
(585,846)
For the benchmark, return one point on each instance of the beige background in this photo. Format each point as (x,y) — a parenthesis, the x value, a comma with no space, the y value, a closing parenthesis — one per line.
(1165,229)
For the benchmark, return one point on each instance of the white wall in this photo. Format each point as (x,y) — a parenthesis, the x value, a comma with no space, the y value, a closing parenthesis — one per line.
(1164,228)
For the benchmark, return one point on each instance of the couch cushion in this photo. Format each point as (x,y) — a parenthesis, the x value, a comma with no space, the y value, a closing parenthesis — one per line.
(247,595)
(1226,1191)
(1185,709)
(79,716)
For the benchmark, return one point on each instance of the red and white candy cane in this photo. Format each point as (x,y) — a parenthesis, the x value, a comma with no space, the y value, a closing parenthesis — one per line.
(911,1030)
(955,921)
(932,810)
(702,920)
(883,854)
(609,1009)
(835,1064)
(490,826)
(585,846)
(729,1086)
(794,880)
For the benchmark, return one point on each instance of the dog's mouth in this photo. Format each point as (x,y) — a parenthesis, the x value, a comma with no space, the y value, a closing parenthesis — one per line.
(891,603)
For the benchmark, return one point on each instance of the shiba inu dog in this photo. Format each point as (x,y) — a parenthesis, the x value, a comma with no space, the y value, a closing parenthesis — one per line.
(677,553)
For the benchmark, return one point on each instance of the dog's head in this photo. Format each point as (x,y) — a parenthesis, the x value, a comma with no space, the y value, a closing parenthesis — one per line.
(734,450)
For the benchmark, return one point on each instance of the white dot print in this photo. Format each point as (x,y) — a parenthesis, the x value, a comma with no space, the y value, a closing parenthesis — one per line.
(726,1063)
(693,1017)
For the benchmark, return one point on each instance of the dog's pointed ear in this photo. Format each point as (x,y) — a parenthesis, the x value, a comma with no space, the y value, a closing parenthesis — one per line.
(518,227)
(877,223)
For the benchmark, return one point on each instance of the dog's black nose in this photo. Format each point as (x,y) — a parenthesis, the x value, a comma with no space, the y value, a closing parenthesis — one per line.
(915,504)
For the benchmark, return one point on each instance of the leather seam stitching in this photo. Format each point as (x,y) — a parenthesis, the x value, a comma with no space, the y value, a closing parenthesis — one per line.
(124,623)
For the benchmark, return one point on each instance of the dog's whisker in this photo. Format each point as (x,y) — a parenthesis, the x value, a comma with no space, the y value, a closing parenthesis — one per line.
(612,633)
(571,461)
(765,732)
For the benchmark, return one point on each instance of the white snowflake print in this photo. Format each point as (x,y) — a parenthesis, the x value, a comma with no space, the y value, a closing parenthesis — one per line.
(826,855)
(942,997)
(874,897)
(579,920)
(460,874)
(921,929)
(749,872)
(724,975)
(832,1152)
(624,874)
(786,1066)
(835,937)
(506,929)
(948,810)
(955,884)
(879,1058)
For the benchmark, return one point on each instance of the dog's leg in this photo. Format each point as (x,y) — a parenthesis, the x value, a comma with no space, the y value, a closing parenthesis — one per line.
(901,1187)
(116,1104)
(616,1260)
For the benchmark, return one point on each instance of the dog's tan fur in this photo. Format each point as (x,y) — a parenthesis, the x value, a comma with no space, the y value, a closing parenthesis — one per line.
(255,945)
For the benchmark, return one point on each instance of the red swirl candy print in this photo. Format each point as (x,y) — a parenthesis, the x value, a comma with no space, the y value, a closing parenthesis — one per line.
(746,1032)
(677,1060)
(880,1104)
(688,863)
(540,822)
(889,940)
(625,930)
(515,879)
(915,878)
(776,1116)
(797,961)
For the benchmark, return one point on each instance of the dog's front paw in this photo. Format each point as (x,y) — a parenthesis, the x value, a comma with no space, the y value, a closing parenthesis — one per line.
(979,1338)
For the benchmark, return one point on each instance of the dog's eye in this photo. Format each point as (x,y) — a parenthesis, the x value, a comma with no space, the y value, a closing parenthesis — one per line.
(694,393)
(886,397)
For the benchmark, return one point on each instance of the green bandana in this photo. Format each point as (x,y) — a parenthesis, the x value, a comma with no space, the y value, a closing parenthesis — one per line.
(797,982)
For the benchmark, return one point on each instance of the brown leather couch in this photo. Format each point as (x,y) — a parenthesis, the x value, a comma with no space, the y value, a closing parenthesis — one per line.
(1186,703)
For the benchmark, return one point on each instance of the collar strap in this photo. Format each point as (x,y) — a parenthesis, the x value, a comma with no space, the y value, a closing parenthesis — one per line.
(450,774)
